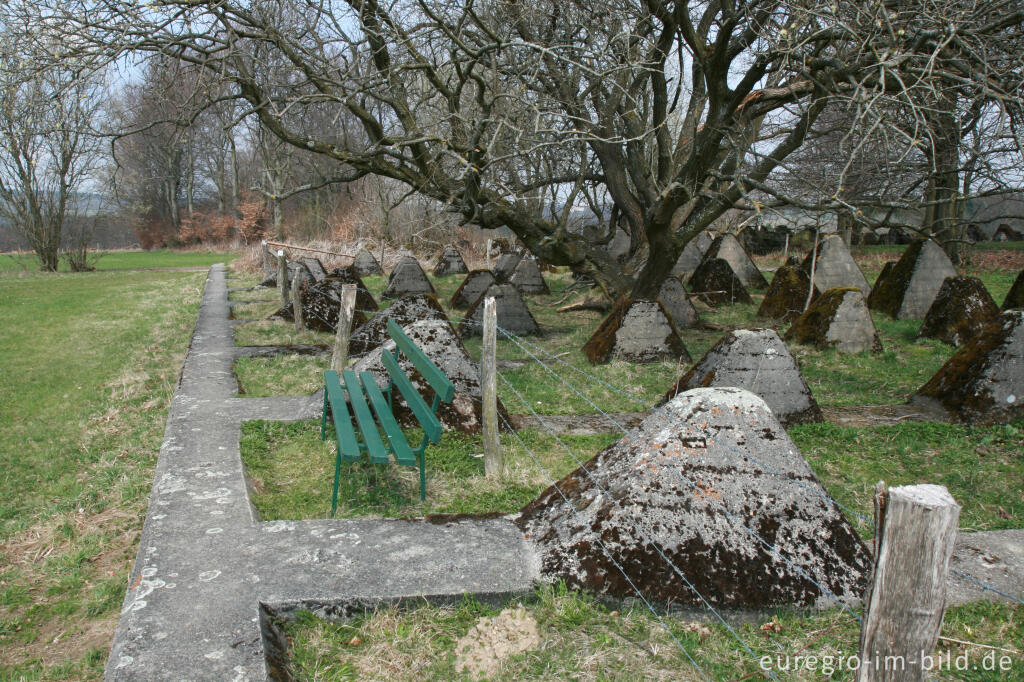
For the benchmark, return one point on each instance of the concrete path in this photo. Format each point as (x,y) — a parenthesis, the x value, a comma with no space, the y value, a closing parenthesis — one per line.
(209,575)
(210,578)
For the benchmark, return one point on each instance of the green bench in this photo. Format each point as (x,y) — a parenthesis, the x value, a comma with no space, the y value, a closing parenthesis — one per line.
(362,434)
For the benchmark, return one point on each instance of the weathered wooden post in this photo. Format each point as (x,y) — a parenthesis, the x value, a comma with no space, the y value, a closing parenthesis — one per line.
(282,277)
(264,257)
(489,390)
(915,531)
(348,308)
(297,300)
(487,254)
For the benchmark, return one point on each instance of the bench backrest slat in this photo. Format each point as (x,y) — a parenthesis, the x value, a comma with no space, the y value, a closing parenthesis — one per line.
(424,415)
(437,380)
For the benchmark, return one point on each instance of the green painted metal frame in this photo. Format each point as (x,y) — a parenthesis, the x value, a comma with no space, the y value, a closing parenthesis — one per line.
(349,446)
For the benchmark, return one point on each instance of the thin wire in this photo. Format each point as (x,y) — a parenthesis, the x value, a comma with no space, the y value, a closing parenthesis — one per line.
(753,534)
(576,511)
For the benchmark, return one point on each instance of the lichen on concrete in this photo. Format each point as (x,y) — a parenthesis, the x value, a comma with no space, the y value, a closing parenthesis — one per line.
(834,266)
(450,263)
(838,319)
(983,382)
(709,486)
(729,249)
(511,310)
(404,311)
(506,266)
(786,295)
(758,361)
(906,290)
(472,288)
(716,283)
(676,301)
(636,331)
(407,278)
(527,278)
(366,264)
(959,312)
(692,255)
(439,342)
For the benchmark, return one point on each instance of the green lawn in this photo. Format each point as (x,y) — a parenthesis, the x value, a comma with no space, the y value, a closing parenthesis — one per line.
(581,639)
(123,260)
(90,364)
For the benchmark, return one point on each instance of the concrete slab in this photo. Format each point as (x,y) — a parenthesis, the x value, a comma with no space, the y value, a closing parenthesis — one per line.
(208,570)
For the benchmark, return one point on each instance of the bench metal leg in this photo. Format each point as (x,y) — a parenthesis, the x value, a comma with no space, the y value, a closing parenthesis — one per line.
(323,417)
(423,477)
(337,479)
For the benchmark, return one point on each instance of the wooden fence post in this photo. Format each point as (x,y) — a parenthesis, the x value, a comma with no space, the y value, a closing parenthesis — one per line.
(282,277)
(348,307)
(264,257)
(914,536)
(487,254)
(297,300)
(489,391)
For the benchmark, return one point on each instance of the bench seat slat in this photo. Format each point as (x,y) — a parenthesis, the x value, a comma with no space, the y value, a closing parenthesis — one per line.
(424,415)
(441,384)
(399,445)
(348,444)
(374,445)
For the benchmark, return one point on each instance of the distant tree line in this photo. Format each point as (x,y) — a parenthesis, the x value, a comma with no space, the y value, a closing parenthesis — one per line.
(655,117)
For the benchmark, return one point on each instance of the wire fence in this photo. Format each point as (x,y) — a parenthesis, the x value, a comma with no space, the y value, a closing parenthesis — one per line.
(547,360)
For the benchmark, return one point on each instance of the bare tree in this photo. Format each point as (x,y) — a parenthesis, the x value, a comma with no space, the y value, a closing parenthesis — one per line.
(522,115)
(48,145)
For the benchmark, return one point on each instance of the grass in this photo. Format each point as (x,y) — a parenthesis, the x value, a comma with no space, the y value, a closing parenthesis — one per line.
(849,461)
(125,260)
(982,466)
(582,639)
(90,364)
(292,472)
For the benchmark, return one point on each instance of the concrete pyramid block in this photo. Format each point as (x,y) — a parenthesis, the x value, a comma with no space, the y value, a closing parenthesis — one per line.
(692,255)
(758,361)
(405,310)
(528,280)
(712,482)
(983,383)
(316,268)
(321,301)
(1015,296)
(716,283)
(450,263)
(511,311)
(635,331)
(786,295)
(676,301)
(835,267)
(729,249)
(407,278)
(906,290)
(439,342)
(959,312)
(839,319)
(472,288)
(506,266)
(365,264)
(618,247)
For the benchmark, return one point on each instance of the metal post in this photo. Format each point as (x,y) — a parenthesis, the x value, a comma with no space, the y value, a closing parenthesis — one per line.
(339,359)
(489,390)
